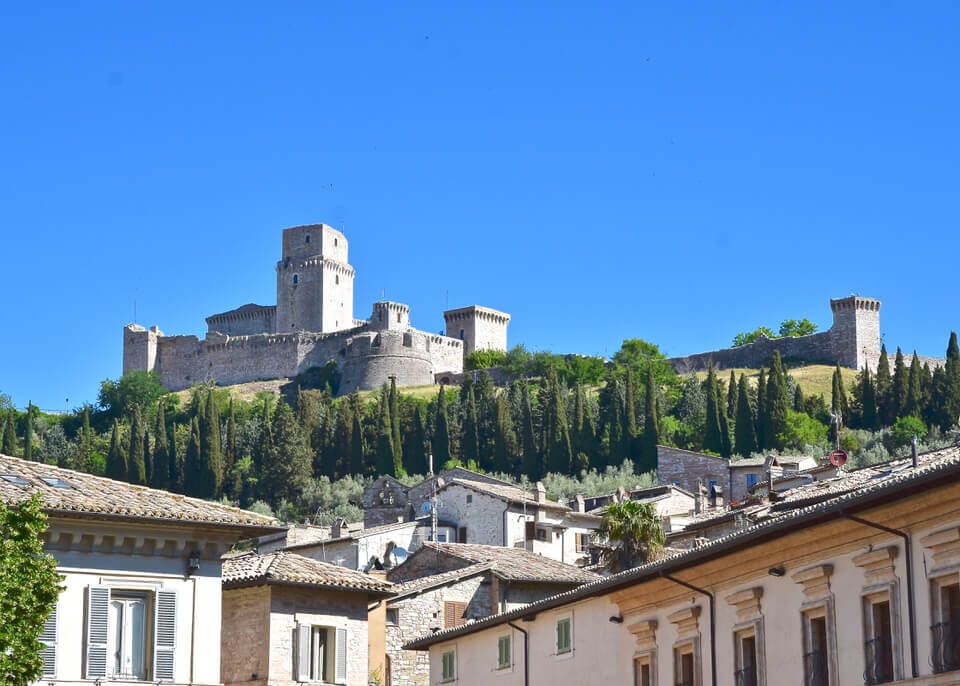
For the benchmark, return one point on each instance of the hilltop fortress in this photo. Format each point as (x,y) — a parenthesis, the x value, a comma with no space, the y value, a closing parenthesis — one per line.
(311,324)
(853,341)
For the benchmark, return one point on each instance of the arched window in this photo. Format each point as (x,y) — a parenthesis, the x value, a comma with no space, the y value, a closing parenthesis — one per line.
(296,279)
(334,242)
(398,317)
(308,238)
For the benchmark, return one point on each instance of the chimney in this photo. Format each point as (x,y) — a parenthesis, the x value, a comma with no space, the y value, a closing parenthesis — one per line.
(578,503)
(338,527)
(541,494)
(698,498)
(913,452)
(622,494)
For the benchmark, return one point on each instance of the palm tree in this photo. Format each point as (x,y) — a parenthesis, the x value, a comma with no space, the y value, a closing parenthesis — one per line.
(635,527)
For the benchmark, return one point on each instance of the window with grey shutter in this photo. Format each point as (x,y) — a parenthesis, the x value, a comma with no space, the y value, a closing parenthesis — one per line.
(165,635)
(48,638)
(98,605)
(302,668)
(341,662)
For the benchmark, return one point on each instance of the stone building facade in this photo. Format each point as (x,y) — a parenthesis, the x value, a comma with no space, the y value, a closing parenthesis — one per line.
(312,324)
(853,341)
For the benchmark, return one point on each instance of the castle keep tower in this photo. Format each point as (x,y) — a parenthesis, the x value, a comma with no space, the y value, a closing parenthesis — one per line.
(856,331)
(480,328)
(314,281)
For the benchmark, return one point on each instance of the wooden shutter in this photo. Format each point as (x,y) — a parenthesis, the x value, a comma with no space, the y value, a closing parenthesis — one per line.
(449,615)
(340,672)
(98,622)
(460,610)
(530,531)
(462,534)
(165,635)
(48,637)
(304,634)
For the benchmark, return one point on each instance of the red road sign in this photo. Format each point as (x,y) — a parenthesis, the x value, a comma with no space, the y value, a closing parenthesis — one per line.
(838,458)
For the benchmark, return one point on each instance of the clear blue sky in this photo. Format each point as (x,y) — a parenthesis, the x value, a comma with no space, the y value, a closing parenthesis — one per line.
(678,172)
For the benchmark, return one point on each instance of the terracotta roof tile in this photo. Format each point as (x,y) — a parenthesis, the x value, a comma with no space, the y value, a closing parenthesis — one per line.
(517,564)
(92,496)
(286,567)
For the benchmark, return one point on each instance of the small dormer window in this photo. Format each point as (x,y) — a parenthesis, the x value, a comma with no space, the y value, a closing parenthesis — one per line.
(296,279)
(55,482)
(307,239)
(14,479)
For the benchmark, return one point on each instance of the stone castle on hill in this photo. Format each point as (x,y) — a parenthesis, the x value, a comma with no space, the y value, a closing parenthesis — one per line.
(311,324)
(853,341)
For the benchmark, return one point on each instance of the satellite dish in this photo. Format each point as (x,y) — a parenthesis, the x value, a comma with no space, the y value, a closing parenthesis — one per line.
(426,508)
(399,555)
(838,458)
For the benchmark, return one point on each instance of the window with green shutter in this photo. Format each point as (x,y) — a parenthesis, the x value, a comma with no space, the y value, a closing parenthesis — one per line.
(564,635)
(449,669)
(504,654)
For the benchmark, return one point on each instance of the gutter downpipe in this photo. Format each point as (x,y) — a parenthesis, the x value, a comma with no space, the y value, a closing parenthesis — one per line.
(909,559)
(713,623)
(526,653)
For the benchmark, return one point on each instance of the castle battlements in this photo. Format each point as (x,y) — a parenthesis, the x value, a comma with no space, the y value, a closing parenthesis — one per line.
(311,324)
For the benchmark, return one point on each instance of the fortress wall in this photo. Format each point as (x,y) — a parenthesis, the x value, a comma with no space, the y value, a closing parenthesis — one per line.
(245,323)
(815,347)
(446,353)
(187,360)
(371,358)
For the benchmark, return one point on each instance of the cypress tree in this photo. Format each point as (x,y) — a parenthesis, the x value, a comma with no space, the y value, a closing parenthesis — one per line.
(116,456)
(395,422)
(136,468)
(732,393)
(211,450)
(914,405)
(28,433)
(761,427)
(147,453)
(161,452)
(193,466)
(415,445)
(952,381)
(651,427)
(531,460)
(579,412)
(745,438)
(588,435)
(339,464)
(724,422)
(176,463)
(630,419)
(886,415)
(385,457)
(266,435)
(868,399)
(357,447)
(798,403)
(613,421)
(230,454)
(713,439)
(84,442)
(557,442)
(776,406)
(289,464)
(505,438)
(470,442)
(10,434)
(838,399)
(927,410)
(899,389)
(441,435)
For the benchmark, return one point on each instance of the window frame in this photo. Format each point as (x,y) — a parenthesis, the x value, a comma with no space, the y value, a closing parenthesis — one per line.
(691,647)
(508,666)
(126,596)
(396,615)
(750,631)
(938,584)
(809,613)
(444,678)
(646,659)
(568,652)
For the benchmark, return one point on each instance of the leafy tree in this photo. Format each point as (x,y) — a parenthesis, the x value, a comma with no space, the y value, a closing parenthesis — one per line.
(161,452)
(139,388)
(637,355)
(634,529)
(289,464)
(752,336)
(441,435)
(886,413)
(10,434)
(651,427)
(713,437)
(116,456)
(516,362)
(798,400)
(136,466)
(904,429)
(266,436)
(838,398)
(29,587)
(177,464)
(745,438)
(339,463)
(792,327)
(482,359)
(776,405)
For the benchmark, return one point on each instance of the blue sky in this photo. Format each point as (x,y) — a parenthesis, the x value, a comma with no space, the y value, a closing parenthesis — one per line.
(677,172)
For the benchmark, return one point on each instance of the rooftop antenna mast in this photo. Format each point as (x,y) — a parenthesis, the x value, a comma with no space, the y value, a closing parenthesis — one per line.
(433,508)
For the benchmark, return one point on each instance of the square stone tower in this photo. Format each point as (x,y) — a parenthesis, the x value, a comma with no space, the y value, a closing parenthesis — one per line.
(480,328)
(314,281)
(856,331)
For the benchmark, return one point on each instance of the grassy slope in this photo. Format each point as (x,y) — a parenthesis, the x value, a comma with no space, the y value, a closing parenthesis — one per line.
(814,379)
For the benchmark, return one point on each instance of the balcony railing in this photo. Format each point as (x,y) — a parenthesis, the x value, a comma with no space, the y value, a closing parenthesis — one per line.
(746,676)
(815,668)
(879,661)
(946,647)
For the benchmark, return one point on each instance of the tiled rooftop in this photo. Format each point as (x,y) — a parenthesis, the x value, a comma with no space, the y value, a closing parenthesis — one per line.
(517,564)
(512,494)
(286,567)
(71,493)
(433,580)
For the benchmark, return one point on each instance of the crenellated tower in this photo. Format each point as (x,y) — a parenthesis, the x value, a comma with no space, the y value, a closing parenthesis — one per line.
(856,331)
(480,328)
(314,281)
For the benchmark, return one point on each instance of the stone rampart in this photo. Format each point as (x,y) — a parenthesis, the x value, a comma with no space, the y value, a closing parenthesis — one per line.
(244,321)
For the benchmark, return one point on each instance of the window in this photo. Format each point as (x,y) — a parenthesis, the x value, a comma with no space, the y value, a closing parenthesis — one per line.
(461,334)
(393,616)
(321,654)
(878,647)
(641,672)
(564,635)
(946,624)
(816,662)
(583,542)
(448,666)
(504,652)
(469,499)
(307,240)
(751,480)
(398,317)
(296,279)
(441,538)
(462,534)
(127,636)
(454,614)
(683,672)
(529,530)
(334,242)
(541,534)
(746,659)
(14,479)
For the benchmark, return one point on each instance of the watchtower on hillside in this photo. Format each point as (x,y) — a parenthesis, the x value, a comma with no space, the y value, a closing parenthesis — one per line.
(856,331)
(314,281)
(480,328)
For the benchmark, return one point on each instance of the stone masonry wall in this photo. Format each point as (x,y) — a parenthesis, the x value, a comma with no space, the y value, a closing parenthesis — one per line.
(685,468)
(419,614)
(245,635)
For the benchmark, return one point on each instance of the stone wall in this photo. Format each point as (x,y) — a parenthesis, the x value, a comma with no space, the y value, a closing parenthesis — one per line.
(244,321)
(684,468)
(245,635)
(417,615)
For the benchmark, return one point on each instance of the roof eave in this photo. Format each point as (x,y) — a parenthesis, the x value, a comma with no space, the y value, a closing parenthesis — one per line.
(261,581)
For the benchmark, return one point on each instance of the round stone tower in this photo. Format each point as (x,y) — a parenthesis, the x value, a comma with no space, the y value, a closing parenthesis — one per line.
(314,281)
(856,331)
